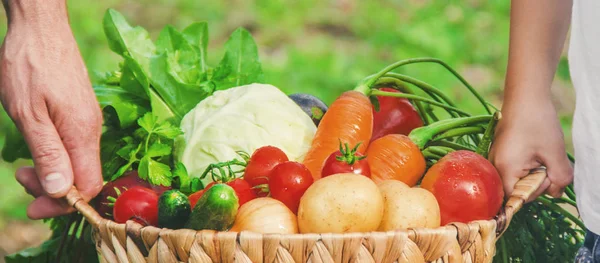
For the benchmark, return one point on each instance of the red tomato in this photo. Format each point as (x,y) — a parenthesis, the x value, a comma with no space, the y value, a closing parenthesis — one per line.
(395,116)
(466,186)
(346,160)
(287,183)
(262,161)
(242,189)
(139,204)
(104,206)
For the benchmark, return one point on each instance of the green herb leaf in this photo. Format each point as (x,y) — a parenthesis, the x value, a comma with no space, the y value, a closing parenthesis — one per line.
(15,146)
(110,144)
(160,109)
(77,246)
(109,78)
(197,35)
(155,172)
(185,59)
(168,130)
(158,150)
(240,65)
(180,171)
(136,47)
(181,178)
(130,82)
(128,107)
(126,40)
(147,122)
(129,152)
(171,86)
(539,234)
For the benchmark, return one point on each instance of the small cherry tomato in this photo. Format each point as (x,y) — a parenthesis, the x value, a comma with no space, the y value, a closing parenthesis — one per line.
(262,161)
(287,183)
(346,160)
(139,204)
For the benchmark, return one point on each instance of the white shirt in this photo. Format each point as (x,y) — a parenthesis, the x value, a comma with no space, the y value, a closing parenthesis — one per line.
(584,63)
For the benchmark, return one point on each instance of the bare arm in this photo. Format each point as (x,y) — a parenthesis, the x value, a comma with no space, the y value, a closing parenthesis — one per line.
(530,135)
(46,91)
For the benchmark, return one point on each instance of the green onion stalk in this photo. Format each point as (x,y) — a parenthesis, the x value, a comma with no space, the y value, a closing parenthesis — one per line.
(424,105)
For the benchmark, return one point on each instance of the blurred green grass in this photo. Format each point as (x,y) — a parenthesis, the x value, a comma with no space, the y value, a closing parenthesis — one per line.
(322,47)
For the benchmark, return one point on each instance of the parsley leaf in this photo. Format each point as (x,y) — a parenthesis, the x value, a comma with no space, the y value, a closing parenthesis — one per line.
(155,172)
(147,122)
(167,130)
(158,150)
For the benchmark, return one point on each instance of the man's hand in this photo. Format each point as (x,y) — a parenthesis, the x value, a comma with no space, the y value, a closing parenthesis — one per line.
(529,136)
(45,89)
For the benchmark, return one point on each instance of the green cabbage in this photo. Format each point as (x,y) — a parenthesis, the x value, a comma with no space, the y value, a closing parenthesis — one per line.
(242,119)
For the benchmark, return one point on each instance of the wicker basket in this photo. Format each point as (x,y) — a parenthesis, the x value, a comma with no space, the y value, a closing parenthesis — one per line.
(472,242)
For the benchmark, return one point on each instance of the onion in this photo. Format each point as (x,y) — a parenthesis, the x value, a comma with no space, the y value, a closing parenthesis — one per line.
(265,215)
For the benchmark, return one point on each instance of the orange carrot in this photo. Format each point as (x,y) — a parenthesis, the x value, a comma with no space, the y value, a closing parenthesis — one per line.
(349,119)
(395,156)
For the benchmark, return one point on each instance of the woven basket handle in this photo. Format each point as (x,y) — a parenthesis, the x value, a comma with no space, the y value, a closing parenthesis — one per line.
(524,188)
(75,200)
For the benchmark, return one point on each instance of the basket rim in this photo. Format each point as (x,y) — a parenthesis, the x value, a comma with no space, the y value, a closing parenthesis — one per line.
(524,188)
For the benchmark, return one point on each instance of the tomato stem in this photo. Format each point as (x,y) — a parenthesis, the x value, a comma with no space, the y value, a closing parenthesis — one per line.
(483,147)
(264,188)
(348,155)
(223,175)
(423,135)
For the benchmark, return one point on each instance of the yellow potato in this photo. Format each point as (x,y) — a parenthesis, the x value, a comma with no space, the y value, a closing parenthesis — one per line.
(340,203)
(406,207)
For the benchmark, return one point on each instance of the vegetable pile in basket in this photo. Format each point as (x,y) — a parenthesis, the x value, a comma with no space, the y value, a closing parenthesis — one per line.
(190,145)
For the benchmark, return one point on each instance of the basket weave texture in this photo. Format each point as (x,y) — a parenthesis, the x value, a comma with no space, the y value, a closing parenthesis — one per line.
(473,242)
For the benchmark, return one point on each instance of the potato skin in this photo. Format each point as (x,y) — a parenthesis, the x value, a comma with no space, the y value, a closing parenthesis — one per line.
(406,207)
(341,203)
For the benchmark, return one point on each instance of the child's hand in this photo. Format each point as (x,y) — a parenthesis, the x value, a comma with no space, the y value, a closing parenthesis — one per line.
(529,136)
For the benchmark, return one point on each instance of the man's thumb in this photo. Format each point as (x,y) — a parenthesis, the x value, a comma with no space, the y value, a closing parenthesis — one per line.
(51,161)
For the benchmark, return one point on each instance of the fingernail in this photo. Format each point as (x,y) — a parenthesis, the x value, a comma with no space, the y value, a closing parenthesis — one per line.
(54,183)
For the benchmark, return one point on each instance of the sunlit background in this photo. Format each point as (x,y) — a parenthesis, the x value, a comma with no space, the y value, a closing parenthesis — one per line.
(310,46)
